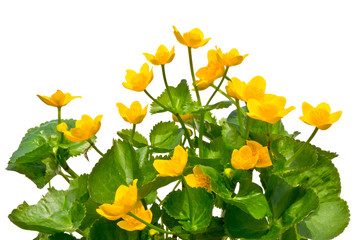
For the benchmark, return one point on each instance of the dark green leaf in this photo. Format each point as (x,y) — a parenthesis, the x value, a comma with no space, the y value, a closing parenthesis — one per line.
(54,213)
(166,136)
(192,207)
(231,136)
(242,225)
(154,185)
(215,230)
(57,236)
(138,139)
(104,229)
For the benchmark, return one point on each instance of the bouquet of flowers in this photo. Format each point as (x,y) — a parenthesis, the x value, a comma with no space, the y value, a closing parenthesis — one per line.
(209,160)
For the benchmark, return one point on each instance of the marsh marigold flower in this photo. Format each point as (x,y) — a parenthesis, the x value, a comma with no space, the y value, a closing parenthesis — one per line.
(231,58)
(58,99)
(135,114)
(255,89)
(320,116)
(185,117)
(173,167)
(270,109)
(125,201)
(198,179)
(214,70)
(131,224)
(84,129)
(138,81)
(251,155)
(162,56)
(193,39)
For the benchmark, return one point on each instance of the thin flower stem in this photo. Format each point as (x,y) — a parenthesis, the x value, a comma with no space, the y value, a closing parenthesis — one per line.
(81,232)
(92,144)
(150,225)
(64,176)
(158,103)
(166,85)
(193,76)
(268,140)
(239,115)
(299,151)
(70,171)
(186,132)
(247,126)
(218,87)
(201,133)
(223,93)
(132,134)
(59,114)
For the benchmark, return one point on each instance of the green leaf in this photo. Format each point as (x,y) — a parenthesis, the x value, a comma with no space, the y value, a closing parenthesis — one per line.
(119,166)
(181,96)
(138,139)
(192,207)
(231,136)
(252,202)
(104,229)
(77,190)
(35,156)
(57,236)
(284,148)
(218,105)
(327,222)
(165,136)
(154,185)
(54,213)
(239,224)
(215,231)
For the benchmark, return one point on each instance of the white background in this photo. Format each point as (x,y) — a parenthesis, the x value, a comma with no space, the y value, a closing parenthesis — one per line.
(306,51)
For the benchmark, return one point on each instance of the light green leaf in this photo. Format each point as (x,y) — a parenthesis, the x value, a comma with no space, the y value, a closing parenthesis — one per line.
(54,213)
(165,136)
(138,139)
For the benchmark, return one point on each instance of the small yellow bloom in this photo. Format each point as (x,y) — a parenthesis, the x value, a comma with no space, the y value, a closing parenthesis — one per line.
(58,99)
(229,173)
(173,167)
(270,109)
(84,129)
(320,116)
(62,127)
(138,81)
(198,179)
(231,58)
(185,117)
(207,75)
(251,155)
(193,39)
(131,224)
(162,56)
(125,201)
(153,232)
(255,89)
(135,114)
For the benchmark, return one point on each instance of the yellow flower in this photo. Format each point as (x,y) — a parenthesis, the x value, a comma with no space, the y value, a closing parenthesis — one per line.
(173,167)
(58,99)
(207,75)
(162,56)
(125,201)
(320,116)
(62,127)
(185,117)
(138,81)
(270,109)
(251,155)
(153,232)
(84,129)
(255,89)
(131,224)
(198,179)
(135,114)
(231,58)
(193,39)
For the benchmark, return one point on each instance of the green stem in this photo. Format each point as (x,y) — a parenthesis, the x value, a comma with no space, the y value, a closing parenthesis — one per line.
(166,85)
(132,134)
(150,225)
(218,87)
(158,103)
(223,93)
(247,126)
(61,135)
(92,144)
(186,132)
(64,176)
(201,134)
(239,115)
(81,232)
(299,151)
(193,76)
(268,140)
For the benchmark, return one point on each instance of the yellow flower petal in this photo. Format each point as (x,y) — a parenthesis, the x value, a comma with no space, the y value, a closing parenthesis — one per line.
(84,129)
(243,158)
(131,224)
(58,99)
(135,114)
(198,179)
(138,81)
(173,167)
(193,39)
(320,116)
(62,127)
